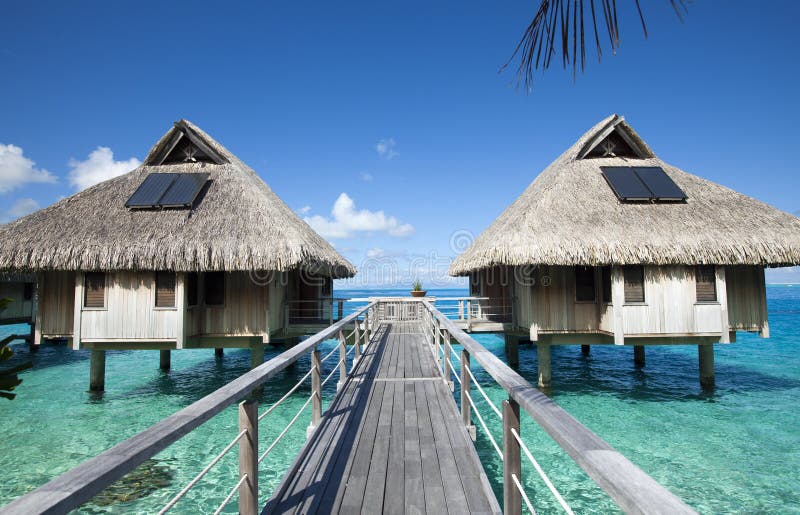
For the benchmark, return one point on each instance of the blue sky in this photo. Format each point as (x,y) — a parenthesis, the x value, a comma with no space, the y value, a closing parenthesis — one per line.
(397,105)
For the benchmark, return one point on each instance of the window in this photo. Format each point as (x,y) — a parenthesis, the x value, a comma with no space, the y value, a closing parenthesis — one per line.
(705,283)
(27,291)
(584,284)
(215,288)
(94,290)
(165,289)
(634,284)
(605,281)
(191,289)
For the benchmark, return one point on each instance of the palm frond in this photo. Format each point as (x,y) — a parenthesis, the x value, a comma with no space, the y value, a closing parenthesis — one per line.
(541,40)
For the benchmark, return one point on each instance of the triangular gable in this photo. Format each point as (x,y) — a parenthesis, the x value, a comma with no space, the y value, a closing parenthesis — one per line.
(183,145)
(617,139)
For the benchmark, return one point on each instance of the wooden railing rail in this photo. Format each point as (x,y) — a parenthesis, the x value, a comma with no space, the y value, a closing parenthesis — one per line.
(628,486)
(73,488)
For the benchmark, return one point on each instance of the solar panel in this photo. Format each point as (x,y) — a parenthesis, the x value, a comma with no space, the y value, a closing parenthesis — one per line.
(150,191)
(184,190)
(625,183)
(659,183)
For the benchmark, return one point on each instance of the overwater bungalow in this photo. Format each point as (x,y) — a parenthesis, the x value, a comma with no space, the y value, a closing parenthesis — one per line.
(189,250)
(19,289)
(612,245)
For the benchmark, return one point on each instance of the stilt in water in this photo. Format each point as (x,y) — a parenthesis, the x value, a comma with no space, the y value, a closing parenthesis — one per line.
(543,359)
(256,355)
(585,349)
(706,356)
(512,350)
(97,371)
(164,360)
(638,355)
(219,352)
(32,347)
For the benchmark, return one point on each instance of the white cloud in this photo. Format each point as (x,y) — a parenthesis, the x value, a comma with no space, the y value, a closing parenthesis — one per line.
(16,169)
(366,177)
(98,167)
(304,210)
(20,208)
(376,252)
(385,148)
(346,220)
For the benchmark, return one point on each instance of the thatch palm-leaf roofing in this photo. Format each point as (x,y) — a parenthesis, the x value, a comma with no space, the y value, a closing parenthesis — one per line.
(570,216)
(237,223)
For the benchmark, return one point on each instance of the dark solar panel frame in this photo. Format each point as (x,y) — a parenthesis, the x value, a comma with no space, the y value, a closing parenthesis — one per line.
(151,190)
(625,183)
(184,190)
(658,182)
(642,183)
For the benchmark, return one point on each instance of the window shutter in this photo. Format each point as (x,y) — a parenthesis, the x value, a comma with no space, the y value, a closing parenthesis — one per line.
(634,284)
(584,284)
(165,289)
(94,291)
(215,288)
(705,284)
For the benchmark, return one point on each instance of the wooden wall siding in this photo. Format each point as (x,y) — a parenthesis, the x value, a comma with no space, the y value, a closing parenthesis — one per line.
(244,313)
(277,302)
(130,312)
(747,297)
(670,305)
(56,303)
(19,307)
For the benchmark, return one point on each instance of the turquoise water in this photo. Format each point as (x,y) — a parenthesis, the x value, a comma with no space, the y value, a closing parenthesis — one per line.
(733,450)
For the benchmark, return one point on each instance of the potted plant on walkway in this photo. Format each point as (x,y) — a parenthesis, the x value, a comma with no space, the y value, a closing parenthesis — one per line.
(416,289)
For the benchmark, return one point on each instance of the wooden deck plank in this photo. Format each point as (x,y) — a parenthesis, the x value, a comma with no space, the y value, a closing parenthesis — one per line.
(391,442)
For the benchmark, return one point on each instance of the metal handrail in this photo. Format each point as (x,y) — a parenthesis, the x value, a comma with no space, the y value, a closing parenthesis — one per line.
(80,484)
(628,486)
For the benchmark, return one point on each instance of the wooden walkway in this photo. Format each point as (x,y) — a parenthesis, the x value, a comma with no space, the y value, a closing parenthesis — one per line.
(392,441)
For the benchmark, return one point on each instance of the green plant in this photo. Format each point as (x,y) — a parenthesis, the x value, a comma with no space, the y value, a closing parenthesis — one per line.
(417,286)
(8,377)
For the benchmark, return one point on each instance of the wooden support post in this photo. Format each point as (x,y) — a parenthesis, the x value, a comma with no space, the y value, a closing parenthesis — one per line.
(638,355)
(316,392)
(706,356)
(512,463)
(256,355)
(460,309)
(448,378)
(512,350)
(342,361)
(586,349)
(543,359)
(32,345)
(466,409)
(219,352)
(436,336)
(248,457)
(357,343)
(164,359)
(341,310)
(618,303)
(97,371)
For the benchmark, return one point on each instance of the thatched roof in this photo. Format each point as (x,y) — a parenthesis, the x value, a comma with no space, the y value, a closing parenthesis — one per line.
(238,223)
(570,216)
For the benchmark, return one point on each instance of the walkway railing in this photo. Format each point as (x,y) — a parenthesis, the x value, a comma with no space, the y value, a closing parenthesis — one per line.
(77,486)
(627,485)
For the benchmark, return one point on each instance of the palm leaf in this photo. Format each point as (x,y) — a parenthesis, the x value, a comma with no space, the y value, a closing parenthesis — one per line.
(566,18)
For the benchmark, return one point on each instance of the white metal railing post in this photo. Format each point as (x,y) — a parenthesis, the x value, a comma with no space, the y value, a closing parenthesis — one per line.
(342,361)
(448,378)
(512,464)
(461,309)
(466,414)
(248,457)
(316,391)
